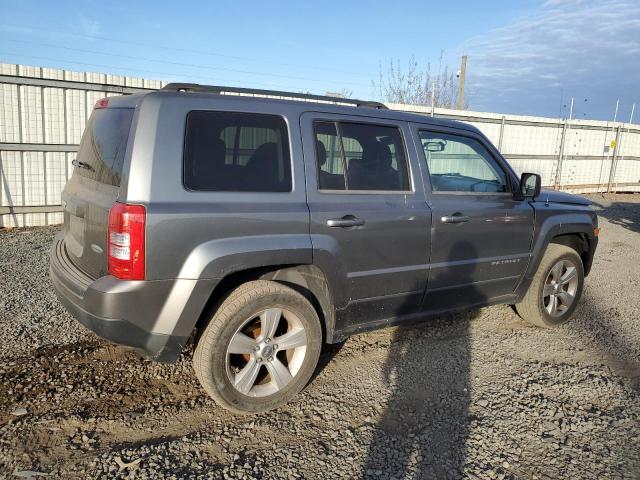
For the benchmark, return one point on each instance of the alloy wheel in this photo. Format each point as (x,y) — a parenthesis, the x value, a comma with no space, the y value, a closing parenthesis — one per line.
(560,287)
(266,352)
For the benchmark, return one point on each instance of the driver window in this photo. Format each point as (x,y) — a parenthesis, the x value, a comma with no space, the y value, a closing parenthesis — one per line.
(461,164)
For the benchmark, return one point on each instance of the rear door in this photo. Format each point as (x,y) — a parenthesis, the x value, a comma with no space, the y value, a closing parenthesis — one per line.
(94,187)
(369,218)
(481,234)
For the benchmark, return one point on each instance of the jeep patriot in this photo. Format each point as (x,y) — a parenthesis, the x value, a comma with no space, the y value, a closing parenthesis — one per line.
(262,225)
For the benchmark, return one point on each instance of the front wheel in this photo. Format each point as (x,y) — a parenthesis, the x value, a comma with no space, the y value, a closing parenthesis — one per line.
(556,288)
(259,349)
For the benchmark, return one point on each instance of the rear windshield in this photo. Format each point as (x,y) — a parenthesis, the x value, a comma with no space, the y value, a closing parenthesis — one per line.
(103,144)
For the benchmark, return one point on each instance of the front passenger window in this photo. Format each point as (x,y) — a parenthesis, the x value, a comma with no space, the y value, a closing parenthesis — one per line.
(461,164)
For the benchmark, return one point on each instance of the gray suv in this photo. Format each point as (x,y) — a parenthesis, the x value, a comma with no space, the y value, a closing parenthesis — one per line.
(262,225)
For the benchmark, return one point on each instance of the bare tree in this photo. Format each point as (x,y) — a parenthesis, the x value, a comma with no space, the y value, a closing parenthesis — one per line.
(417,86)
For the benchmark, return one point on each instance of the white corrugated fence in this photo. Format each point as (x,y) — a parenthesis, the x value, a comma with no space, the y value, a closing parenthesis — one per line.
(43,112)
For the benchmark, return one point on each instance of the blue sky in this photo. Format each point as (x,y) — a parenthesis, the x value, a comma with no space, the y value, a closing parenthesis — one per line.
(526,57)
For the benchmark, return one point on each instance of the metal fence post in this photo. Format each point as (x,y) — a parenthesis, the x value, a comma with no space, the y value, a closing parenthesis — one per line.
(501,134)
(43,116)
(557,179)
(614,159)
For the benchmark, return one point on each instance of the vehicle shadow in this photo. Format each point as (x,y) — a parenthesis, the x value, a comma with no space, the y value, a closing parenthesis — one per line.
(593,325)
(424,428)
(595,328)
(328,353)
(623,214)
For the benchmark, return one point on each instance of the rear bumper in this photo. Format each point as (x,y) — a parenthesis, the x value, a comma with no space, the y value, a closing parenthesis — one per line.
(119,311)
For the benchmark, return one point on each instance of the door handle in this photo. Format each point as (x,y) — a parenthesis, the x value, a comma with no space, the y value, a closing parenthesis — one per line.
(345,222)
(455,218)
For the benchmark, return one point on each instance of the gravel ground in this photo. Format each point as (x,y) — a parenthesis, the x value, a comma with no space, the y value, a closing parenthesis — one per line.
(478,395)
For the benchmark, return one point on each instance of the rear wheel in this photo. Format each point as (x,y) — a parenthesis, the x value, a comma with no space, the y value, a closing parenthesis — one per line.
(259,349)
(556,288)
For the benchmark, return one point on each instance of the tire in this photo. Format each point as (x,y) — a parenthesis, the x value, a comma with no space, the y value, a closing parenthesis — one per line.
(238,360)
(538,309)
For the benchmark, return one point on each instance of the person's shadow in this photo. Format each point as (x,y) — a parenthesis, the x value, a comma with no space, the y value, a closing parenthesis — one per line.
(424,428)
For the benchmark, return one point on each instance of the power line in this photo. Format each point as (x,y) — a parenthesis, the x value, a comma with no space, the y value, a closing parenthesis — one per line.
(180,64)
(153,72)
(184,50)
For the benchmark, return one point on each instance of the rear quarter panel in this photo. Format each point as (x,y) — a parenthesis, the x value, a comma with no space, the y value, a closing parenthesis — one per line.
(196,235)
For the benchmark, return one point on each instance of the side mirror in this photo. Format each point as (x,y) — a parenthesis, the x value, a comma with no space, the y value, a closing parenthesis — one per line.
(530,184)
(436,146)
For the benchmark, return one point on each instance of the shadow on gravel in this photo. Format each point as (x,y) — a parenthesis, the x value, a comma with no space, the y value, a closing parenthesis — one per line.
(329,351)
(424,428)
(624,214)
(593,325)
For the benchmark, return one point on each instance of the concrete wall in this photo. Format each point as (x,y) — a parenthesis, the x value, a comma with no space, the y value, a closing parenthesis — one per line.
(43,112)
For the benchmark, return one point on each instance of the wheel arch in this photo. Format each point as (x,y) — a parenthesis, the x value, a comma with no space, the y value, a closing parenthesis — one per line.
(574,229)
(308,280)
(579,242)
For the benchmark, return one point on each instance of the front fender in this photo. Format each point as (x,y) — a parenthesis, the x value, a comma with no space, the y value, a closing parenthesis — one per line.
(549,225)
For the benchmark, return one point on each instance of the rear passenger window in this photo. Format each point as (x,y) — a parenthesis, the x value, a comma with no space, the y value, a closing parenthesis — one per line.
(331,171)
(241,152)
(355,156)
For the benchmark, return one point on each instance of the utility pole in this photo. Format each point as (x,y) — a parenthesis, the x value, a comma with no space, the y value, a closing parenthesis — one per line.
(463,73)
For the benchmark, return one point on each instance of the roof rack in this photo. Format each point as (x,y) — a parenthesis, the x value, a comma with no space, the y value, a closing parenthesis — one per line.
(195,87)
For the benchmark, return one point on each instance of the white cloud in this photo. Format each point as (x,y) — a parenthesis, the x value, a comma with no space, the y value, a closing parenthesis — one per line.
(586,48)
(562,2)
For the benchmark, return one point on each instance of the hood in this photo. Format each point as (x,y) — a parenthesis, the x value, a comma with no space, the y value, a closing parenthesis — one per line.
(554,196)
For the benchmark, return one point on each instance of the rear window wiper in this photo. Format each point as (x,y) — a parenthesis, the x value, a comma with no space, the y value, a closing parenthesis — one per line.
(77,163)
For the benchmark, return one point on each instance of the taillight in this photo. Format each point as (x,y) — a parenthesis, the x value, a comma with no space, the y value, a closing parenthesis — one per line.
(125,242)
